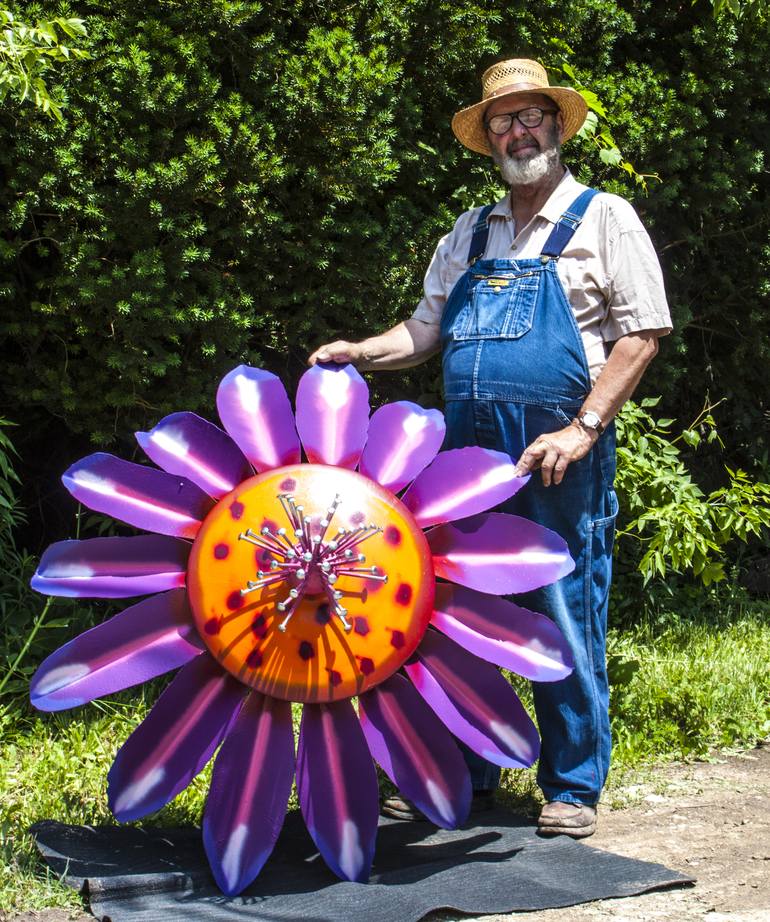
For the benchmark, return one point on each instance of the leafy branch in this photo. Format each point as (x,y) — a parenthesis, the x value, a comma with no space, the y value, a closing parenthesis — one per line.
(27,54)
(596,129)
(739,8)
(675,523)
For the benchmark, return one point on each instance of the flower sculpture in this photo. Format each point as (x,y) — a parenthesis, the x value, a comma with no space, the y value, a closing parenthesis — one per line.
(275,582)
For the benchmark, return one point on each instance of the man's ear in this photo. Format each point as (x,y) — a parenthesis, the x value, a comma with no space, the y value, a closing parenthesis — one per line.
(560,123)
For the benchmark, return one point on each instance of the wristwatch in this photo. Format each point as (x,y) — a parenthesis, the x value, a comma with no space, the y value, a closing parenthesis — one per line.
(590,421)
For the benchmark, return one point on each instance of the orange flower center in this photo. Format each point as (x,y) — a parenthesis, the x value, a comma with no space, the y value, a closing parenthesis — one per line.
(310,583)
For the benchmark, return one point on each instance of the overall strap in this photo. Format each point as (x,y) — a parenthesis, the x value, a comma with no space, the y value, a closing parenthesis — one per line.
(480,235)
(567,224)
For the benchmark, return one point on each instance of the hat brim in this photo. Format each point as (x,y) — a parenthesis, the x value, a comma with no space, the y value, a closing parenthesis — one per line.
(468,124)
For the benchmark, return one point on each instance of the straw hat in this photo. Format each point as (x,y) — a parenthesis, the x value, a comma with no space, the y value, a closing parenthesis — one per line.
(508,78)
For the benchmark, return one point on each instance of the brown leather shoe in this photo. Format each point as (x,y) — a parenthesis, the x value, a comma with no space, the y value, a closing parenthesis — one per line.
(399,808)
(566,819)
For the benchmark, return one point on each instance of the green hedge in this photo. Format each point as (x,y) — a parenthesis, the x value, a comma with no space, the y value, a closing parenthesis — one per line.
(238,181)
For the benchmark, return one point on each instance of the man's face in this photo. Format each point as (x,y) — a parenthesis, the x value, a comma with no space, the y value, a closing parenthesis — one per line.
(523,154)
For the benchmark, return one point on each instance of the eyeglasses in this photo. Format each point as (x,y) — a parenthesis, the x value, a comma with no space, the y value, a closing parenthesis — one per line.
(531,117)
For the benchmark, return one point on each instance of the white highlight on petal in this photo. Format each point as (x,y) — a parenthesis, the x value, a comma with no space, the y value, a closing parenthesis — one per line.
(503,473)
(232,858)
(248,393)
(173,444)
(412,426)
(68,570)
(527,556)
(414,423)
(135,793)
(97,484)
(334,389)
(440,801)
(513,740)
(351,853)
(530,650)
(59,677)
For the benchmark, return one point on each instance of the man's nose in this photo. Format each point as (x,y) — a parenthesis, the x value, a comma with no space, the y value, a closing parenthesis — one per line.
(517,130)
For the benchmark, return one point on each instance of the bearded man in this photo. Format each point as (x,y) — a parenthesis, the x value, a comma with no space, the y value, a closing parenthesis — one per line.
(547,307)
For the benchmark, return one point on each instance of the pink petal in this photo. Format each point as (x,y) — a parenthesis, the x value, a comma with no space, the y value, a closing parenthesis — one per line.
(112,568)
(403,438)
(416,751)
(333,414)
(144,641)
(249,792)
(337,787)
(503,633)
(255,410)
(175,741)
(192,447)
(142,496)
(462,482)
(474,701)
(499,553)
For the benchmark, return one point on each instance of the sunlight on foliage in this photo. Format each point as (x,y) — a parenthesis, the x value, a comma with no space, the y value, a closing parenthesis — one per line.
(675,524)
(27,53)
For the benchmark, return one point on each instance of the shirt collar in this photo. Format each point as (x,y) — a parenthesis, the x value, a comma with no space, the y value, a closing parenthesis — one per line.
(555,206)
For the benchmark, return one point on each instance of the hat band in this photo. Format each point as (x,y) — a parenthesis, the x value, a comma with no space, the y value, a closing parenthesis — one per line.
(517,88)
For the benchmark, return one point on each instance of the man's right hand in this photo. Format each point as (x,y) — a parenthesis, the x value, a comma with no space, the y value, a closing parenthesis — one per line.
(339,352)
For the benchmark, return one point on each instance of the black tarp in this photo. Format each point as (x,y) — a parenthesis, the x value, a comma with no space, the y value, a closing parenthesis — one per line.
(500,864)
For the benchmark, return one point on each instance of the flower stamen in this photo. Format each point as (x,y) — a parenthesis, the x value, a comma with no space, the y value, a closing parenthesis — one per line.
(315,563)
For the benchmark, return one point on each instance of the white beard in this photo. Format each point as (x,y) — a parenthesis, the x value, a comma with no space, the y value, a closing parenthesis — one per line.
(524,172)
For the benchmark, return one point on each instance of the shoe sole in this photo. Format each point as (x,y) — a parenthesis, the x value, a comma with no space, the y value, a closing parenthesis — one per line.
(574,832)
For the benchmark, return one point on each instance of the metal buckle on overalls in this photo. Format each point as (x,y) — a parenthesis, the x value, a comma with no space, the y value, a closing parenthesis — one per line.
(544,259)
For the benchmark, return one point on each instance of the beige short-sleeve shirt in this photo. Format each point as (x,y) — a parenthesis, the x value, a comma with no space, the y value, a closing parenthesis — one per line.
(609,269)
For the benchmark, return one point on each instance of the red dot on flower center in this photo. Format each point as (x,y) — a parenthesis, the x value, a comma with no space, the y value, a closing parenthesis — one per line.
(404,594)
(234,600)
(397,639)
(221,551)
(213,626)
(393,535)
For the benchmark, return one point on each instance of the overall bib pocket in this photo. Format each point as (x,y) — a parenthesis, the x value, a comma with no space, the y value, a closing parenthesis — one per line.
(500,305)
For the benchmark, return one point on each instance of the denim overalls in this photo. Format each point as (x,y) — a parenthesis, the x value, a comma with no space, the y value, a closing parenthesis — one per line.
(515,368)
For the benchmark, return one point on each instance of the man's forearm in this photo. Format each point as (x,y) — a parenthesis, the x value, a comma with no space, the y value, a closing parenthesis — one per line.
(402,346)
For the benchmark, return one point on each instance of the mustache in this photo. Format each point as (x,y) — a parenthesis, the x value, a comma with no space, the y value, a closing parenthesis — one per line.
(527,144)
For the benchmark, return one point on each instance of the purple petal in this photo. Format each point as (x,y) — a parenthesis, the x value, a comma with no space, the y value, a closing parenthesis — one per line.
(138,495)
(416,751)
(499,553)
(403,439)
(333,414)
(112,568)
(144,641)
(249,792)
(337,788)
(255,410)
(175,741)
(185,444)
(503,633)
(474,702)
(462,482)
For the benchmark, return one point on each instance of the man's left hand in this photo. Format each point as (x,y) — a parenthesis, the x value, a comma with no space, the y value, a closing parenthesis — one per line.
(553,452)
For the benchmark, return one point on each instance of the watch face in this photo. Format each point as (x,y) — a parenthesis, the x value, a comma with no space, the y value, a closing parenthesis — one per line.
(591,419)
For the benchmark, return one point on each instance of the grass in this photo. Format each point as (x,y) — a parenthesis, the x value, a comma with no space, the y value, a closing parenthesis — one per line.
(681,687)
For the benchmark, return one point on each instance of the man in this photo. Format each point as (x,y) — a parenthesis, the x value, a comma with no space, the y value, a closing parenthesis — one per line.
(547,308)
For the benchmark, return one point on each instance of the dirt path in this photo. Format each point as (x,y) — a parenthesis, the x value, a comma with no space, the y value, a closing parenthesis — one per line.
(710,820)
